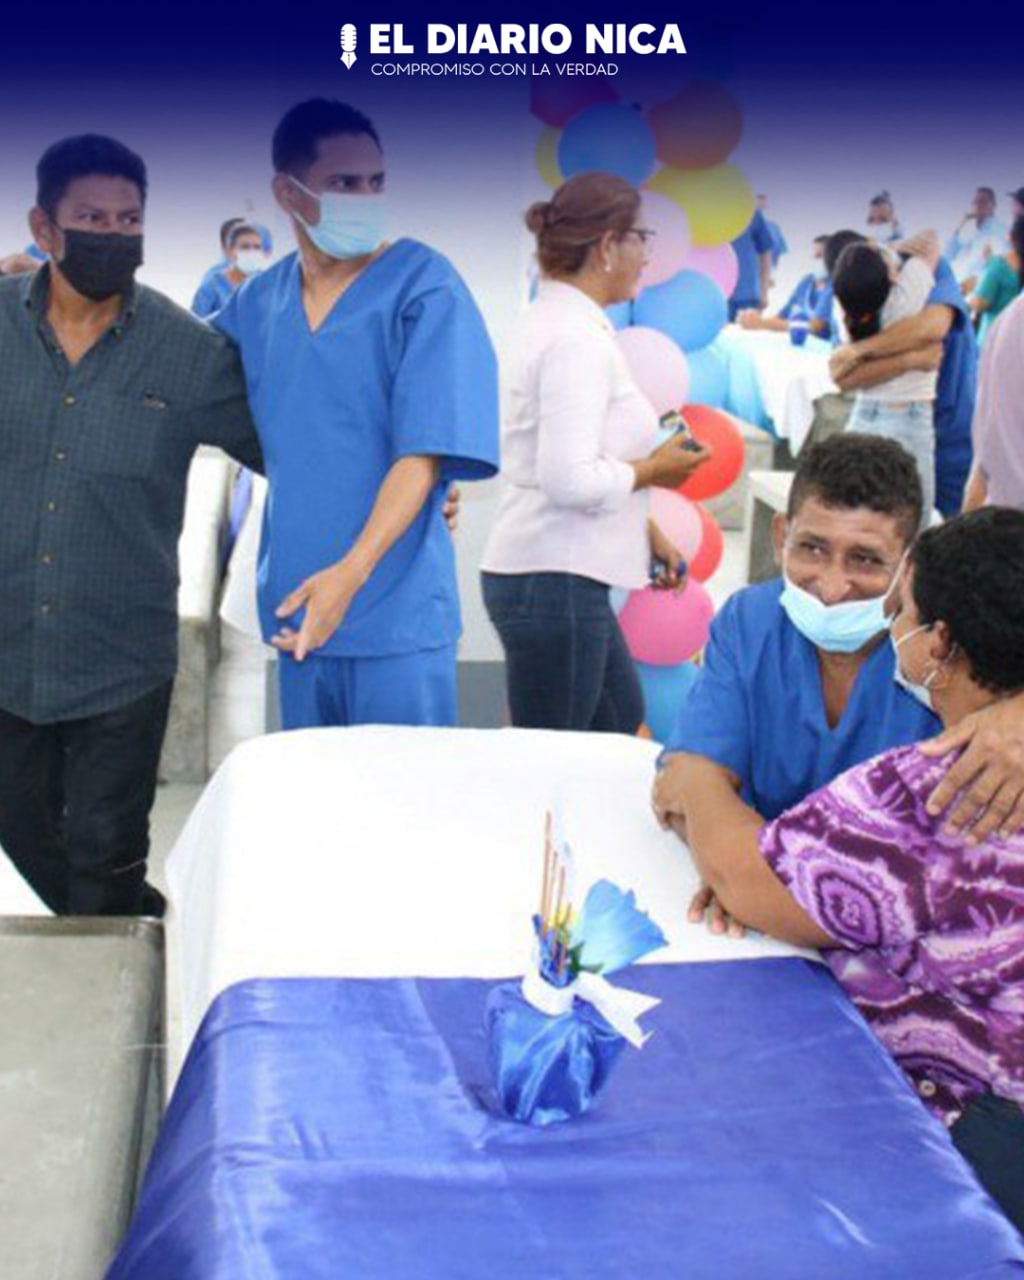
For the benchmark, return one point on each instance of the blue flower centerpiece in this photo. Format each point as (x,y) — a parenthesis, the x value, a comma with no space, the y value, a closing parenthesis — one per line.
(555,1036)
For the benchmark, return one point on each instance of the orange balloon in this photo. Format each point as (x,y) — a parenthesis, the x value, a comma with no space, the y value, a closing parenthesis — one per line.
(712,547)
(697,128)
(722,436)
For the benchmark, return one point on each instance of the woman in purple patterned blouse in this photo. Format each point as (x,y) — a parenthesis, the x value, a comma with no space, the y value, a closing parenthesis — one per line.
(923,928)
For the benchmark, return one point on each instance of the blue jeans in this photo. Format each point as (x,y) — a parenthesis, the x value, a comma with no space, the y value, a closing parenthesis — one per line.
(911,425)
(566,661)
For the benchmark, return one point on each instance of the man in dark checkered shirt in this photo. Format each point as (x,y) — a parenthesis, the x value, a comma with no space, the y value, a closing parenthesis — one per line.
(106,389)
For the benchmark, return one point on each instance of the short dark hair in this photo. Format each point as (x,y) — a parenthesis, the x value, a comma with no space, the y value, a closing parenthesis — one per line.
(225,230)
(852,470)
(989,193)
(82,157)
(969,574)
(294,147)
(822,239)
(861,285)
(241,228)
(883,197)
(837,242)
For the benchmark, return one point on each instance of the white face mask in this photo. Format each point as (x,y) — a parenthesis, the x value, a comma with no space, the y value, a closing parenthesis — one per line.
(250,261)
(350,226)
(922,692)
(882,231)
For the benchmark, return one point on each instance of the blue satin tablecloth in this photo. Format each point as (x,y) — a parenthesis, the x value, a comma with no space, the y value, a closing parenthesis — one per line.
(325,1129)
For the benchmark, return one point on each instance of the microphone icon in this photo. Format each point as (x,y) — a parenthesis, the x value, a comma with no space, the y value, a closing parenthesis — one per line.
(348,44)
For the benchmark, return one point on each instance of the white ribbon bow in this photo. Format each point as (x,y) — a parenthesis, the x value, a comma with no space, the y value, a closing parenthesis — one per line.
(619,1007)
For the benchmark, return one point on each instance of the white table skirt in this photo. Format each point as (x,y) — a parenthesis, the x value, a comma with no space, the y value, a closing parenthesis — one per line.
(385,852)
(16,897)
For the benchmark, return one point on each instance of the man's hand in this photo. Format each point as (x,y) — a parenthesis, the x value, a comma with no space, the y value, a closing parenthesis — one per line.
(452,504)
(667,792)
(748,319)
(18,264)
(987,782)
(705,906)
(327,596)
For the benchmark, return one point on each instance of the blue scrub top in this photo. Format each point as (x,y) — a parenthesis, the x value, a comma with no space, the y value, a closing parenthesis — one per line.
(814,298)
(757,707)
(401,366)
(213,293)
(749,247)
(954,395)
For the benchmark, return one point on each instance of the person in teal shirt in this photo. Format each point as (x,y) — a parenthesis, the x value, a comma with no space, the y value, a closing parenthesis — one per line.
(1000,282)
(373,384)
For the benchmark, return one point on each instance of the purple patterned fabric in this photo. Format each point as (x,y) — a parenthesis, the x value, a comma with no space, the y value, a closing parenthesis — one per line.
(931,931)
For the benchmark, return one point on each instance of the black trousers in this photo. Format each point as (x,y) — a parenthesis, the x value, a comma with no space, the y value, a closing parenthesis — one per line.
(990,1137)
(75,798)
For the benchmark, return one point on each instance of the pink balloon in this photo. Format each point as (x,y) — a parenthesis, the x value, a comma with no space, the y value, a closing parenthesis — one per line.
(555,100)
(671,242)
(679,520)
(720,263)
(663,628)
(658,366)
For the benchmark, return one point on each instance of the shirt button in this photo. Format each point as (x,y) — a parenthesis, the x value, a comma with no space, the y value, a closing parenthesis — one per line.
(45,607)
(69,400)
(926,1088)
(61,455)
(51,506)
(47,557)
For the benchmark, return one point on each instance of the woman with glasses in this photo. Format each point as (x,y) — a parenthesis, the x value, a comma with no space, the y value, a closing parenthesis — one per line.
(579,452)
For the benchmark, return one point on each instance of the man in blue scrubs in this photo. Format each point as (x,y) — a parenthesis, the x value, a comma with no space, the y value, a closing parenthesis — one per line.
(789,694)
(914,343)
(754,257)
(798,679)
(812,299)
(373,384)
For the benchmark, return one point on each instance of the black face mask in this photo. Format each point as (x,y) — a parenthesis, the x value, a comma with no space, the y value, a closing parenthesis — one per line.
(98,264)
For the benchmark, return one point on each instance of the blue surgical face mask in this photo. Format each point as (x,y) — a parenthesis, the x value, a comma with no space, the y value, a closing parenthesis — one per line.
(819,271)
(922,692)
(835,628)
(350,226)
(250,261)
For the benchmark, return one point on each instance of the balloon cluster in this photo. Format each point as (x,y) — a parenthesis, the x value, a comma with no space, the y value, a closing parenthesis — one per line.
(676,151)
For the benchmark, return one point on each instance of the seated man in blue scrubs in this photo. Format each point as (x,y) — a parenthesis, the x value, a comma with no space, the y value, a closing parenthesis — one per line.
(373,384)
(942,334)
(798,682)
(812,298)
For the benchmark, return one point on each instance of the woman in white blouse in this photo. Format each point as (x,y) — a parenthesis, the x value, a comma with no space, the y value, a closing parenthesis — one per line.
(578,450)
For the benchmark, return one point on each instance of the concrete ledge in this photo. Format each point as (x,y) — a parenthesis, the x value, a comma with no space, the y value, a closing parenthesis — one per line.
(185,755)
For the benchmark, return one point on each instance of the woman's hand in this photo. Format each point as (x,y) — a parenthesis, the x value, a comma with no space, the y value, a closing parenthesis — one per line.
(671,574)
(671,464)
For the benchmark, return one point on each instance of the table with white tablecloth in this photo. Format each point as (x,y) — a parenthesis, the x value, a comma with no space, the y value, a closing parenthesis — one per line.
(774,383)
(348,898)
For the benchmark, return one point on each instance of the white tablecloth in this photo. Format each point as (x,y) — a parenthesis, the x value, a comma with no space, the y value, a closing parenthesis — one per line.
(790,379)
(385,852)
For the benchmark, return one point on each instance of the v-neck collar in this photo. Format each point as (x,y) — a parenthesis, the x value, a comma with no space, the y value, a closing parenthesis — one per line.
(342,297)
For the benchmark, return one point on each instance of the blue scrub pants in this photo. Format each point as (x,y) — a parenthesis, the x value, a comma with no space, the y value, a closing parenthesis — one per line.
(407,688)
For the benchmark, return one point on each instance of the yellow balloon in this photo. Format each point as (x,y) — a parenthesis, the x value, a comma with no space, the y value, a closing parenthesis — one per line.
(546,156)
(719,201)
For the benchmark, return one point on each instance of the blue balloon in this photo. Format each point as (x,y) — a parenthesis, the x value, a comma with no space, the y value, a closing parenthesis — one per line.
(690,308)
(665,691)
(709,377)
(610,137)
(620,314)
